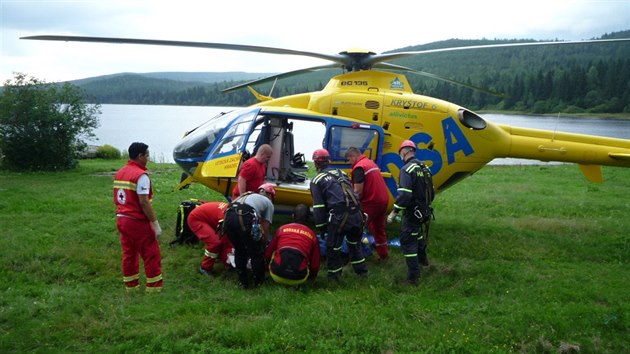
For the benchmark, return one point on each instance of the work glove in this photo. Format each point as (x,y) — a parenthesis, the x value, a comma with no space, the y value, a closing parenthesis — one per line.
(157,228)
(392,216)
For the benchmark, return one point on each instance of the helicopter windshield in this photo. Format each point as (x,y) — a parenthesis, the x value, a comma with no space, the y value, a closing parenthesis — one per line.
(232,127)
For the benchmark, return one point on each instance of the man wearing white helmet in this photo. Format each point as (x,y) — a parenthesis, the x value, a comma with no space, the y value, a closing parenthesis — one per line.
(415,194)
(246,223)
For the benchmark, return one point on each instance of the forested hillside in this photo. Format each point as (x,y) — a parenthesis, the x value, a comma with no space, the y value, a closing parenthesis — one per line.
(566,78)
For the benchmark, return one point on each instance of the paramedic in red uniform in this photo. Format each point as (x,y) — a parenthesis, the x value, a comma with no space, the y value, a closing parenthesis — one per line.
(204,222)
(137,222)
(293,254)
(253,171)
(370,186)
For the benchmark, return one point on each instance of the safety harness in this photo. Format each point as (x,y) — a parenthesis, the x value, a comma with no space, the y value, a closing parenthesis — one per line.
(429,193)
(349,196)
(241,209)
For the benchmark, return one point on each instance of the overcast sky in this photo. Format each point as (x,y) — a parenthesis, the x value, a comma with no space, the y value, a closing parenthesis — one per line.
(318,26)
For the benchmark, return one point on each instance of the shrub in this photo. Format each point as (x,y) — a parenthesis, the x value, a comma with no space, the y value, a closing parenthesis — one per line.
(43,126)
(108,152)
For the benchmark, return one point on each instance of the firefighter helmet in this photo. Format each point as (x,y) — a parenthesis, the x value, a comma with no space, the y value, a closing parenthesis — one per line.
(268,188)
(407,143)
(321,156)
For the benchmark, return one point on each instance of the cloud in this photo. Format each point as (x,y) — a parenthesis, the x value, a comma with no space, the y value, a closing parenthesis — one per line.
(325,26)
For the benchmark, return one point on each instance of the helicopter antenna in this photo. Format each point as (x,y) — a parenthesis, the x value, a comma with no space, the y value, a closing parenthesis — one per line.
(555,129)
(273,86)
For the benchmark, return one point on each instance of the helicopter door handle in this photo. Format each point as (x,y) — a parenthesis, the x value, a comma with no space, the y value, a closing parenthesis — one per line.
(561,150)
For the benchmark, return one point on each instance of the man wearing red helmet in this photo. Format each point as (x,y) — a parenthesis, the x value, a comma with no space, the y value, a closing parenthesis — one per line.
(415,194)
(370,186)
(247,221)
(338,214)
(205,221)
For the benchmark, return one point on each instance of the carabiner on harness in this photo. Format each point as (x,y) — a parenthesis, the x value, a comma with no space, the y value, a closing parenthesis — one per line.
(417,213)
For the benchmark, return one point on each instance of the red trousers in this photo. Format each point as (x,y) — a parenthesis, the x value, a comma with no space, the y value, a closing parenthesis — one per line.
(216,247)
(376,225)
(137,238)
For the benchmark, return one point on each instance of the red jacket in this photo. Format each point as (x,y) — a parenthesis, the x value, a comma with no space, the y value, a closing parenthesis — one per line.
(210,213)
(126,193)
(374,188)
(300,238)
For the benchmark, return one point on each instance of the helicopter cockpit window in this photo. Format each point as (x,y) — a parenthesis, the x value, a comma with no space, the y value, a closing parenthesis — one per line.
(235,137)
(196,143)
(341,138)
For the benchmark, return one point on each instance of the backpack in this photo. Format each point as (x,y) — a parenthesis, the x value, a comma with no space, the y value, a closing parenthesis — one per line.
(183,234)
(426,211)
(429,189)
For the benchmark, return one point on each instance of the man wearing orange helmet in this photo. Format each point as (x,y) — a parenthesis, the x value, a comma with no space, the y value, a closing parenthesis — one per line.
(415,194)
(338,214)
(370,186)
(246,223)
(206,221)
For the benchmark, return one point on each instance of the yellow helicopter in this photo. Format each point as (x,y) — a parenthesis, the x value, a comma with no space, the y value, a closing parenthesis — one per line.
(374,111)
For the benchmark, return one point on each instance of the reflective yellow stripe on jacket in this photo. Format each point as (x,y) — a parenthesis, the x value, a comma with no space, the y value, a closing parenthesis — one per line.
(125,185)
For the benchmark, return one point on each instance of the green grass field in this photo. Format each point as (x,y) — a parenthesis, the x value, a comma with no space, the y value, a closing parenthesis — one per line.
(525,259)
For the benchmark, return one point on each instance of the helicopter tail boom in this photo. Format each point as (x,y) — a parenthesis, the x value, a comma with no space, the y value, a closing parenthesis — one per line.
(589,151)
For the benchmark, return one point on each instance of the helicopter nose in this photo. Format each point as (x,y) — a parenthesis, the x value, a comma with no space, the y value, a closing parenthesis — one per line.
(189,152)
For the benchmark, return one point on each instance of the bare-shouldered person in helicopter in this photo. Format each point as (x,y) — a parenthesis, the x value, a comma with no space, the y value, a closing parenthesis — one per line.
(252,172)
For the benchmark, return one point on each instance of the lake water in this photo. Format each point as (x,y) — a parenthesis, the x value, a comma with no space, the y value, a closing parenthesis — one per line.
(162,127)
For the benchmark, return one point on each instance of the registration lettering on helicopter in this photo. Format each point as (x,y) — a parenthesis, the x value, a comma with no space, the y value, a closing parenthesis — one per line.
(354,83)
(408,104)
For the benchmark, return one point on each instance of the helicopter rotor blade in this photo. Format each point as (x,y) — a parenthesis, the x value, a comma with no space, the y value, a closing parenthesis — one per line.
(458,83)
(390,66)
(378,58)
(437,77)
(351,60)
(282,75)
(207,45)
